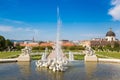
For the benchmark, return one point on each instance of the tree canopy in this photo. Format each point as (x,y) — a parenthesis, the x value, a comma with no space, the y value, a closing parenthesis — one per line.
(5,43)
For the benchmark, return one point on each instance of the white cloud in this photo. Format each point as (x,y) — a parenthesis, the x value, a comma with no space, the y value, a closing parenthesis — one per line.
(115,10)
(5,28)
(13,21)
(115,2)
(19,33)
(15,29)
(27,29)
(91,35)
(117,33)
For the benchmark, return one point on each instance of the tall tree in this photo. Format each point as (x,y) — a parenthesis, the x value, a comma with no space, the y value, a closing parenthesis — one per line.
(2,42)
(8,43)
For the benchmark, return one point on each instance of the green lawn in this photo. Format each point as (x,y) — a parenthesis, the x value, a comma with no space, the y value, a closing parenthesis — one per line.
(4,55)
(36,57)
(9,54)
(76,56)
(108,54)
(33,57)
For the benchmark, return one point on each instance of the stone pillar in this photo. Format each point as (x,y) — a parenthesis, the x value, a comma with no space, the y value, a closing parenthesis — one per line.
(91,58)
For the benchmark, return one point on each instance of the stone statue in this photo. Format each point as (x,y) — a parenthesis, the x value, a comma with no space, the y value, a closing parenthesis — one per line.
(90,54)
(26,50)
(25,55)
(89,51)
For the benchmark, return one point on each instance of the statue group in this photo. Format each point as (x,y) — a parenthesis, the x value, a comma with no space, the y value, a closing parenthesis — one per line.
(89,51)
(25,55)
(90,54)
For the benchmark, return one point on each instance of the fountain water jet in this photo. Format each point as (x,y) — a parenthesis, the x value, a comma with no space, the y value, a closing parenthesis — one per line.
(57,60)
(71,56)
(43,58)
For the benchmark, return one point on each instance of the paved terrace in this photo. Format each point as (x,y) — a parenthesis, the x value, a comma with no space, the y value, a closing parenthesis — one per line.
(9,60)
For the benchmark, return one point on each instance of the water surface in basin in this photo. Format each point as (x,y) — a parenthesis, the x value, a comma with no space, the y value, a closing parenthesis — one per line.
(77,70)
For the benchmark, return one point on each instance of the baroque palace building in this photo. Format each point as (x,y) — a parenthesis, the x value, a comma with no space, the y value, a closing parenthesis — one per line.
(110,38)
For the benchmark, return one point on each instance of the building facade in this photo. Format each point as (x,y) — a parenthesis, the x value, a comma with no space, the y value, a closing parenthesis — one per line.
(110,38)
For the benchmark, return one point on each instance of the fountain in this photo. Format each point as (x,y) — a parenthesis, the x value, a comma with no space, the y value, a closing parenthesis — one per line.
(43,58)
(56,60)
(71,56)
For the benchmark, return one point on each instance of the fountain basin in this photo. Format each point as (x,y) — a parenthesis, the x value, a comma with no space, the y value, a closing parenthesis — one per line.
(78,70)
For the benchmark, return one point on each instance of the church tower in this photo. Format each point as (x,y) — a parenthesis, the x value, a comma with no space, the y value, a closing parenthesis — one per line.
(110,35)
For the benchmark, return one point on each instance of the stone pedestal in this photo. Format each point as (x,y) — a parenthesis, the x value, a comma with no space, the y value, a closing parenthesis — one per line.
(23,57)
(91,58)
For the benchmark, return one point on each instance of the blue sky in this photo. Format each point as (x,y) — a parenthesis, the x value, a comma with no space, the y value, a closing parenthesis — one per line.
(81,19)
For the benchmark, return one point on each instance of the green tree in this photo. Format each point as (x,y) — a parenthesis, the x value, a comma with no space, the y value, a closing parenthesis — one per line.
(49,47)
(2,43)
(116,46)
(8,43)
(42,48)
(107,47)
(35,48)
(19,47)
(80,48)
